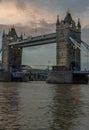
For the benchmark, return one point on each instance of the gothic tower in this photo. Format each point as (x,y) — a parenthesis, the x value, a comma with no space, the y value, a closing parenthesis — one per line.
(11,55)
(68,55)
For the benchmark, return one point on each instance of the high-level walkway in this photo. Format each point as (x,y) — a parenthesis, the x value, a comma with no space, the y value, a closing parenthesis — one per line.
(36,41)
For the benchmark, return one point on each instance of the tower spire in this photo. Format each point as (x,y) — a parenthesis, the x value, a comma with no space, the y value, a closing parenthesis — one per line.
(21,36)
(58,22)
(3,33)
(68,11)
(79,25)
(68,17)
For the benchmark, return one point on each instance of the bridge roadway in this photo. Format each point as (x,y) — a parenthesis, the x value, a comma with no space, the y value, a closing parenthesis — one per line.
(35,41)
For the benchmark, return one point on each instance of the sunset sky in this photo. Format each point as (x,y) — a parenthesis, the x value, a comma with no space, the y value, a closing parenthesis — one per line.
(29,11)
(41,15)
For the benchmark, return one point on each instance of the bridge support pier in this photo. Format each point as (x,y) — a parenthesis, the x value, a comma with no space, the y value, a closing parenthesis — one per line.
(60,77)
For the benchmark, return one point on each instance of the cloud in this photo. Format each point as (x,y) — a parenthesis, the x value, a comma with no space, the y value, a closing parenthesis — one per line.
(26,11)
(75,5)
(79,8)
(12,12)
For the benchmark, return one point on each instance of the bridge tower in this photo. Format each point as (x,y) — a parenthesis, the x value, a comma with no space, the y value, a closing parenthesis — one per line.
(11,55)
(68,55)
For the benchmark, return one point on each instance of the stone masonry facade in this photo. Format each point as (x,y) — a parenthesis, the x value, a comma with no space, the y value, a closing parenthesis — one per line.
(68,55)
(11,55)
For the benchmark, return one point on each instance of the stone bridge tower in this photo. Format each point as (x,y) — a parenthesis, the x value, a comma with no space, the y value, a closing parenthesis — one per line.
(68,55)
(11,55)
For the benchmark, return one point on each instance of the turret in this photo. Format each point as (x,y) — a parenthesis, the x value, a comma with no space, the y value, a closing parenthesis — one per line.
(21,36)
(58,22)
(12,34)
(68,18)
(3,35)
(79,25)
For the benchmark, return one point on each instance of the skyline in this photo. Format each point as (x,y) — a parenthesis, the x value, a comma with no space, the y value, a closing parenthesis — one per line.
(39,17)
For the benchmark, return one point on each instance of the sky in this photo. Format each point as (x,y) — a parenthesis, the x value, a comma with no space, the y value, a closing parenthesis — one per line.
(28,11)
(36,17)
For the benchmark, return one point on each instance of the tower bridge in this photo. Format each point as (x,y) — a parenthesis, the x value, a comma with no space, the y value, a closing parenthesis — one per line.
(67,37)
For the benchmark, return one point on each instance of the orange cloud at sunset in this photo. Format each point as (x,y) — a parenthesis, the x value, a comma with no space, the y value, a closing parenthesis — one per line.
(30,12)
(11,14)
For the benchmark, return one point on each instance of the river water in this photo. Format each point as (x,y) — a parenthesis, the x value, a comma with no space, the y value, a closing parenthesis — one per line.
(40,106)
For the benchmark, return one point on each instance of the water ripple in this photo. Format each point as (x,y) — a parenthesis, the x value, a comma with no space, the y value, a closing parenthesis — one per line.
(41,106)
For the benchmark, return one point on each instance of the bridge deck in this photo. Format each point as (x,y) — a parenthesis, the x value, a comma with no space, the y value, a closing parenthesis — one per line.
(35,41)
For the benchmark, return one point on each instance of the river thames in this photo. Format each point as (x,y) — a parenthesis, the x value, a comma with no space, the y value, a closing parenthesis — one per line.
(40,106)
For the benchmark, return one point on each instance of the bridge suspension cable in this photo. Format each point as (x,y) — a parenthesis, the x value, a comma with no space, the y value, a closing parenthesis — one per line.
(75,43)
(85,45)
(79,45)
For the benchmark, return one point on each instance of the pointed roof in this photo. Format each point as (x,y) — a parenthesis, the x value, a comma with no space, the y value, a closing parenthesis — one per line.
(79,25)
(12,32)
(3,33)
(58,22)
(68,18)
(21,36)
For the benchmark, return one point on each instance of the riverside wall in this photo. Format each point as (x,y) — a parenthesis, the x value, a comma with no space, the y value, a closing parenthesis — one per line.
(60,77)
(5,76)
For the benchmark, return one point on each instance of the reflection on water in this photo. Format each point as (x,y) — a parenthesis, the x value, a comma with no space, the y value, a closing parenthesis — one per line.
(41,106)
(9,107)
(66,107)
